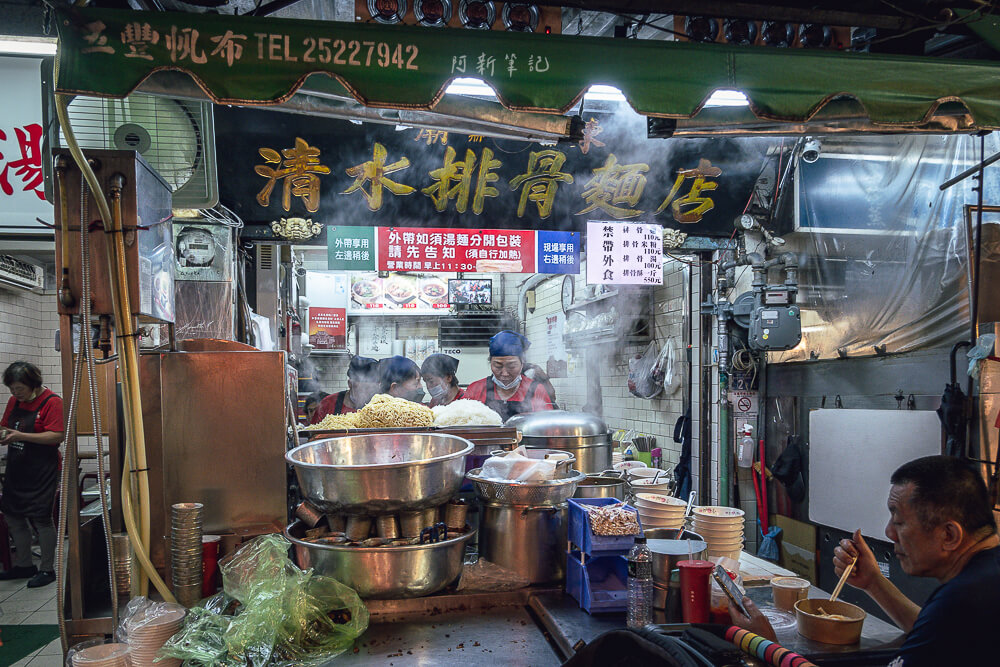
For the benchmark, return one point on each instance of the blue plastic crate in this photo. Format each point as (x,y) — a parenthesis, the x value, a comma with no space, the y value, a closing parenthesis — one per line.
(598,585)
(583,537)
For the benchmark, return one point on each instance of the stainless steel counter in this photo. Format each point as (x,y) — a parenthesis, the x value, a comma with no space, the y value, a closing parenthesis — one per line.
(533,626)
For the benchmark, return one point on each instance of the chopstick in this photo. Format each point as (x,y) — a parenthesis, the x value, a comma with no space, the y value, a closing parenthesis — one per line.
(843,580)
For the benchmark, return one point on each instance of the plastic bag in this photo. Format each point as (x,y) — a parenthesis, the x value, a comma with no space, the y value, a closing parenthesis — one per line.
(142,615)
(518,465)
(202,640)
(983,349)
(288,616)
(642,379)
(95,651)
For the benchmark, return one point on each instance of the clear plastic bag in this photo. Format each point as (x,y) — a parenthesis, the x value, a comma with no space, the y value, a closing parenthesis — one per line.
(97,651)
(143,616)
(517,465)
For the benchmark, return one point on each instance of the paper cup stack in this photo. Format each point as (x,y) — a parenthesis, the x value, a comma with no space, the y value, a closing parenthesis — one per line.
(185,552)
(148,631)
(103,655)
(722,529)
(659,511)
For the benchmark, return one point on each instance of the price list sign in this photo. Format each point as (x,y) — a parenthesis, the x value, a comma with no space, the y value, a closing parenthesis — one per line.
(624,253)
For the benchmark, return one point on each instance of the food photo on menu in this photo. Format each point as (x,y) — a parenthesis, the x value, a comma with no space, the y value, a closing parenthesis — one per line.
(434,292)
(366,291)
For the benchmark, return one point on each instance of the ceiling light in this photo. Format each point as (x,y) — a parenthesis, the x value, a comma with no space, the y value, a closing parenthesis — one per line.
(606,93)
(27,46)
(810,150)
(740,32)
(470,86)
(727,98)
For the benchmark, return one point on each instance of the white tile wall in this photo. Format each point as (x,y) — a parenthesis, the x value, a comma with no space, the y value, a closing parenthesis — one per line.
(28,323)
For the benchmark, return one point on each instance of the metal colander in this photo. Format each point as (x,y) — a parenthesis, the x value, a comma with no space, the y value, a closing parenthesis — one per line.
(547,493)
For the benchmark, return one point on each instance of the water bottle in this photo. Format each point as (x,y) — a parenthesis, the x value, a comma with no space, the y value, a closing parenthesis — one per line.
(640,585)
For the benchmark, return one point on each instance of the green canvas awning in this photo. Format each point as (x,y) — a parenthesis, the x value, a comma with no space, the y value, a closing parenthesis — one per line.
(250,61)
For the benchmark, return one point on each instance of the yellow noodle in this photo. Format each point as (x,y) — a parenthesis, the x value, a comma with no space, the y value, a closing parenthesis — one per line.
(385,411)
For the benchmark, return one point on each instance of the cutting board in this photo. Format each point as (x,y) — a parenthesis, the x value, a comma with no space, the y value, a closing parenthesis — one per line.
(852,454)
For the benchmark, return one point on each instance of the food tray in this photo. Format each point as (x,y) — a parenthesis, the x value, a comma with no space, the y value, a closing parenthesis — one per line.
(583,537)
(544,494)
(600,584)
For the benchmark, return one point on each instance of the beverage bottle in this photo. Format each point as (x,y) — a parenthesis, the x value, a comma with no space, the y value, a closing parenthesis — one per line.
(744,455)
(640,585)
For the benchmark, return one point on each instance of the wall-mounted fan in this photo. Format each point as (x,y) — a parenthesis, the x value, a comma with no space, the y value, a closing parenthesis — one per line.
(176,138)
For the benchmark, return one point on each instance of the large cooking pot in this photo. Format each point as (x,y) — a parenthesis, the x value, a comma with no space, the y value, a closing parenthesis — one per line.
(598,486)
(379,474)
(526,539)
(384,572)
(585,436)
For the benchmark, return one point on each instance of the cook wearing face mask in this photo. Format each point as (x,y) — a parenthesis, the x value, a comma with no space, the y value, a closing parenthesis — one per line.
(507,390)
(400,377)
(438,371)
(362,384)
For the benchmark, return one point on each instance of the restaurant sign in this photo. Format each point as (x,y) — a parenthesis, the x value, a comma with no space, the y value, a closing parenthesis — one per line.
(624,254)
(351,249)
(450,250)
(328,328)
(342,174)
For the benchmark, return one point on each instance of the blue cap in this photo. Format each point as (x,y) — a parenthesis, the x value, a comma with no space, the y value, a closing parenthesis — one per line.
(508,344)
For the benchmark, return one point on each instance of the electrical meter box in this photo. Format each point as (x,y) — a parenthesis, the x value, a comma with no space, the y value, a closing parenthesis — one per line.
(775,328)
(204,251)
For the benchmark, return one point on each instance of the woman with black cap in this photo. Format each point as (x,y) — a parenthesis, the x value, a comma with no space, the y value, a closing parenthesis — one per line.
(438,371)
(508,391)
(362,384)
(400,377)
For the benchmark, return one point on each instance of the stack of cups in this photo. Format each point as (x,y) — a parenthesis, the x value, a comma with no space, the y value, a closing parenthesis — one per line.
(148,631)
(103,655)
(186,552)
(124,564)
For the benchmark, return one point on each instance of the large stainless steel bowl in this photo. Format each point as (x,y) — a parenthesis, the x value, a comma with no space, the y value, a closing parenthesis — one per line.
(381,473)
(585,436)
(384,572)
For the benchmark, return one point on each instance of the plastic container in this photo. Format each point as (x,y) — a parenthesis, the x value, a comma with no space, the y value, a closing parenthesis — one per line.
(583,537)
(696,596)
(744,453)
(599,584)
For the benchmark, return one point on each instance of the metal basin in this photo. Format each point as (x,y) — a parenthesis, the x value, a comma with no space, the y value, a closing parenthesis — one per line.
(381,473)
(596,486)
(384,572)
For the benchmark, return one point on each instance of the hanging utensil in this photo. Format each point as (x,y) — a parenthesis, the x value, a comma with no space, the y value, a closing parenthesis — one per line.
(687,513)
(843,580)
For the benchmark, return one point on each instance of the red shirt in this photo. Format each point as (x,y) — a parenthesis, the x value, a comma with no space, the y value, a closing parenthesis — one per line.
(539,399)
(461,394)
(328,406)
(49,419)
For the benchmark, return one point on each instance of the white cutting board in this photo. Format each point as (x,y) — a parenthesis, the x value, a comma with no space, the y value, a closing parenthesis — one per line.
(852,454)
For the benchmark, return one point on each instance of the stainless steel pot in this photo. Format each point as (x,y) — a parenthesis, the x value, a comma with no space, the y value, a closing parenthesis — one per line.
(597,486)
(380,474)
(667,553)
(585,436)
(530,541)
(384,572)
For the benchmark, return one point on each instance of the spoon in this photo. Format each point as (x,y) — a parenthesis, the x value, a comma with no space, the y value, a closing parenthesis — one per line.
(687,513)
(843,580)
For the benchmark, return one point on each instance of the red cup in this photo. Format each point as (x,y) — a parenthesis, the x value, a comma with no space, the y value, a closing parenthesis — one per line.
(696,590)
(209,564)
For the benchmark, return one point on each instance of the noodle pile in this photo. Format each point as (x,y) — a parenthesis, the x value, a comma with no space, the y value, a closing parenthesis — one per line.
(385,411)
(334,422)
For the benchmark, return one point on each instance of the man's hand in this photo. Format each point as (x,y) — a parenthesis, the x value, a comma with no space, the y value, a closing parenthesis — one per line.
(756,622)
(865,572)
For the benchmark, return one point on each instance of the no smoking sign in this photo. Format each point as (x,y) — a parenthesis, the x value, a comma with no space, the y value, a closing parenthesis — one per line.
(744,402)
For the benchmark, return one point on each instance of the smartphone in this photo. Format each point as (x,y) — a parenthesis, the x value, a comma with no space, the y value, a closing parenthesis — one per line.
(728,587)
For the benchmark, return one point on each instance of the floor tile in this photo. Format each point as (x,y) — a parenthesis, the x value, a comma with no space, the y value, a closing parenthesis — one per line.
(53,648)
(41,618)
(22,663)
(20,606)
(15,618)
(46,661)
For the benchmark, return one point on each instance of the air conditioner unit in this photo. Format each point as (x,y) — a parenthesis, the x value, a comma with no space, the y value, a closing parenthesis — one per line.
(20,274)
(176,138)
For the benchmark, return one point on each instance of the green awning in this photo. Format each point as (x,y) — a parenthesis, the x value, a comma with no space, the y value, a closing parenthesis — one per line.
(250,60)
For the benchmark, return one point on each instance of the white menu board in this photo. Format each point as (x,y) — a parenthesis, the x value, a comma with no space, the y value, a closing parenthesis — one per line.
(624,253)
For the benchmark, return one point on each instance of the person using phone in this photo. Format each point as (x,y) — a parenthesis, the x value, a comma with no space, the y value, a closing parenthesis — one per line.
(942,526)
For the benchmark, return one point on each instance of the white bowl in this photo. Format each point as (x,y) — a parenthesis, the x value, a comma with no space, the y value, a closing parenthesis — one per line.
(660,499)
(648,484)
(653,522)
(647,510)
(717,512)
(648,472)
(629,465)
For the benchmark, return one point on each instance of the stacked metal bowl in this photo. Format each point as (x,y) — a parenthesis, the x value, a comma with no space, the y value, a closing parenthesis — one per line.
(185,551)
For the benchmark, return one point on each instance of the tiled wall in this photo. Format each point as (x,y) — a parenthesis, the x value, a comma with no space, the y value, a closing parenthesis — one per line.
(28,323)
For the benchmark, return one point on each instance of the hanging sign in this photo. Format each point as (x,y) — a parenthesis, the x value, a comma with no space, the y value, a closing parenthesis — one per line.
(558,252)
(450,250)
(624,253)
(328,328)
(22,196)
(350,249)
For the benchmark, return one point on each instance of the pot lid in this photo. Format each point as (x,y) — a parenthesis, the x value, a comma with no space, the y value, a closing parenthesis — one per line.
(558,424)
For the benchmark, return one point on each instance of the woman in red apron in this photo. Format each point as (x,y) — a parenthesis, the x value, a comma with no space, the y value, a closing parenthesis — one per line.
(362,384)
(438,373)
(508,391)
(31,428)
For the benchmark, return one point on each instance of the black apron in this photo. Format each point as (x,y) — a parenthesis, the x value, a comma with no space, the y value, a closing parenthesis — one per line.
(507,409)
(32,475)
(338,405)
